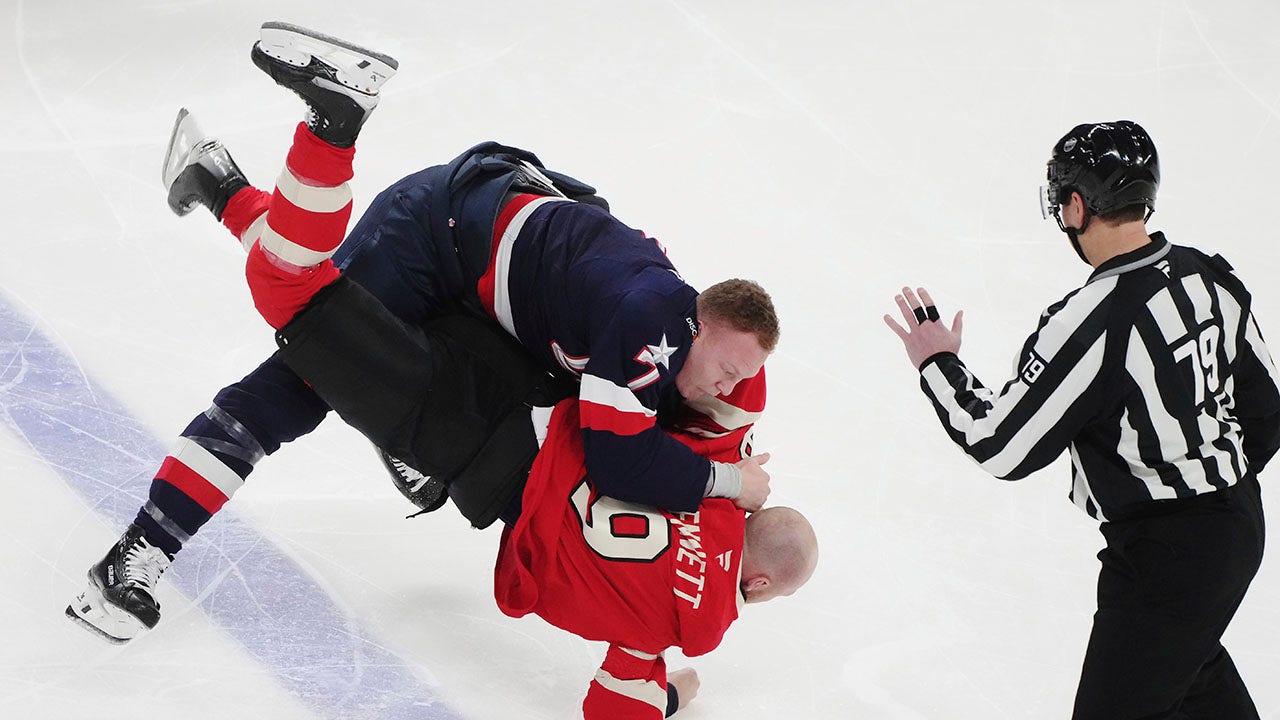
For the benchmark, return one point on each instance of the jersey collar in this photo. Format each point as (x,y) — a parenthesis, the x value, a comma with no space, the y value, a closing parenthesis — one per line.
(1148,254)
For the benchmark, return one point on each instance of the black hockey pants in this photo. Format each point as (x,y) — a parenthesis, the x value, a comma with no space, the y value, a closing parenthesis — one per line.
(1168,588)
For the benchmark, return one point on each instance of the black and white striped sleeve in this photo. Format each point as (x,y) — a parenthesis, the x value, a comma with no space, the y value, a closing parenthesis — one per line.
(1038,413)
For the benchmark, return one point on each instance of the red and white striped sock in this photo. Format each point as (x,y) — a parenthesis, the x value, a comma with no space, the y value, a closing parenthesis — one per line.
(290,246)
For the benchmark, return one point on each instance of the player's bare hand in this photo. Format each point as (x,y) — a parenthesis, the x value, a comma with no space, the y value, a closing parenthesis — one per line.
(924,336)
(755,483)
(686,683)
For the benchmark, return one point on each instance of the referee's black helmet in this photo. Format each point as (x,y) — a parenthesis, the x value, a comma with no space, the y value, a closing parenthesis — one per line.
(1112,165)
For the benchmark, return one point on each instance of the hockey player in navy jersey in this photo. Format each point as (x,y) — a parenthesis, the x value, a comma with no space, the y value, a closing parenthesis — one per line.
(453,396)
(494,232)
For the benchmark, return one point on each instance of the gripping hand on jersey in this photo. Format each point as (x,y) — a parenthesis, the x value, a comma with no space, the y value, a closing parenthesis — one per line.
(755,483)
(924,335)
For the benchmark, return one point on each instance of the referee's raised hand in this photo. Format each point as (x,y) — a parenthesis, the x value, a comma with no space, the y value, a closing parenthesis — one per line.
(923,335)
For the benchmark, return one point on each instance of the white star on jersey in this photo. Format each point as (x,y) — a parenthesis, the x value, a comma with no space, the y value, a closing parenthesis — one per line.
(659,354)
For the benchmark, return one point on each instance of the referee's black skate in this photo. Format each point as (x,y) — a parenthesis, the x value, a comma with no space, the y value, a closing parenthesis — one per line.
(338,80)
(120,600)
(198,170)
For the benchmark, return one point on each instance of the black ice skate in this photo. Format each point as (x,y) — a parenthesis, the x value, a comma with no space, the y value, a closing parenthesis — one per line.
(120,600)
(429,493)
(198,170)
(338,80)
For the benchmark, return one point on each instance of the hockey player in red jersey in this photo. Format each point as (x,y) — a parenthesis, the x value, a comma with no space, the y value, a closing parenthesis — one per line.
(641,579)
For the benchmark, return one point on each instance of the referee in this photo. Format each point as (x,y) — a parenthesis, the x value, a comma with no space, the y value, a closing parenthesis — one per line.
(1155,378)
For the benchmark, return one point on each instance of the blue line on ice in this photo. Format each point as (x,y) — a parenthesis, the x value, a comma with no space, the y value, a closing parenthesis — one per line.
(238,577)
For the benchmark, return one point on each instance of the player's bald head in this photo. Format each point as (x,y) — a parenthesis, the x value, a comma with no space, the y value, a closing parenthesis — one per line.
(780,553)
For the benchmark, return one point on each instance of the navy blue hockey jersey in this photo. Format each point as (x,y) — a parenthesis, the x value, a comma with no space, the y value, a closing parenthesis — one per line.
(584,292)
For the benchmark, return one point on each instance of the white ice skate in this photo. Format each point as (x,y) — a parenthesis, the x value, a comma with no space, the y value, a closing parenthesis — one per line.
(120,601)
(338,80)
(355,67)
(198,170)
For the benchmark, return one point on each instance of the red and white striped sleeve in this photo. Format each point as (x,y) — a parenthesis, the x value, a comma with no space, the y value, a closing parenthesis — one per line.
(630,685)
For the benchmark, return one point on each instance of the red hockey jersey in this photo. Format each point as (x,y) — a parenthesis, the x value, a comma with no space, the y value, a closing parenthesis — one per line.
(638,578)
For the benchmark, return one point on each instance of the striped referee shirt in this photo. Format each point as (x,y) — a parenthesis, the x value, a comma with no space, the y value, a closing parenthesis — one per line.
(1153,376)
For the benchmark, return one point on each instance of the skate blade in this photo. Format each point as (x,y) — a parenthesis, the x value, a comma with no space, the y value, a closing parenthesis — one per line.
(186,136)
(359,68)
(71,614)
(92,612)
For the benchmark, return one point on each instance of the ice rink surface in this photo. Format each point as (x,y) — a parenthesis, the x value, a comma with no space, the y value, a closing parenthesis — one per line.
(831,150)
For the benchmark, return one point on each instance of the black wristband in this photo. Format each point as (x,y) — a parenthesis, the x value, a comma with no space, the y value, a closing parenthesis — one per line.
(673,700)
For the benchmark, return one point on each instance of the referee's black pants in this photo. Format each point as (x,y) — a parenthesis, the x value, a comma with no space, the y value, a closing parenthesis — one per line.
(1169,585)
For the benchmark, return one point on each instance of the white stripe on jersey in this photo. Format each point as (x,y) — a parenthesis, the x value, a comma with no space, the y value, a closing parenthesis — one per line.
(1200,300)
(645,691)
(602,392)
(706,434)
(1128,449)
(1254,336)
(1167,318)
(725,414)
(573,364)
(957,416)
(639,653)
(1071,317)
(644,380)
(312,198)
(502,263)
(1230,310)
(541,419)
(1081,493)
(207,466)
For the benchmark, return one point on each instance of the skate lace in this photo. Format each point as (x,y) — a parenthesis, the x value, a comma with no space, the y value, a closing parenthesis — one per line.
(315,120)
(144,563)
(410,475)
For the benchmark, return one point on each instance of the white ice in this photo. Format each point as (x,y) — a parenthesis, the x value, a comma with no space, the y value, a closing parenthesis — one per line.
(831,150)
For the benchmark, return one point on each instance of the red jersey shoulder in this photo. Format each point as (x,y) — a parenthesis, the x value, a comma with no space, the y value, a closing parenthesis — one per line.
(720,427)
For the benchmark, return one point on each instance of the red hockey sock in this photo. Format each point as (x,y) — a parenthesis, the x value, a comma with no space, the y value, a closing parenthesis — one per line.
(305,222)
(311,205)
(280,290)
(243,208)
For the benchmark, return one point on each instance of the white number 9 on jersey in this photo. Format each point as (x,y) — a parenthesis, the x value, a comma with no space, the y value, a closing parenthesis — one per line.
(620,531)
